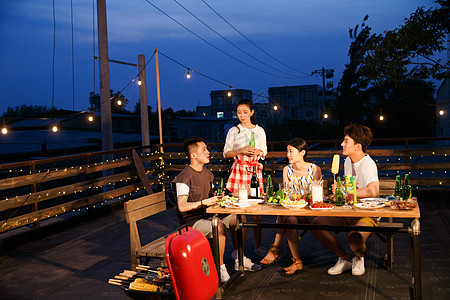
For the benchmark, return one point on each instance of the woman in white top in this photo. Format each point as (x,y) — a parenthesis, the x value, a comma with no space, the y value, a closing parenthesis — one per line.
(246,157)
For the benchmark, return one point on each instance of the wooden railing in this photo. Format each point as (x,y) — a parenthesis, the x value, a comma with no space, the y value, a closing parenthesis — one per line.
(36,190)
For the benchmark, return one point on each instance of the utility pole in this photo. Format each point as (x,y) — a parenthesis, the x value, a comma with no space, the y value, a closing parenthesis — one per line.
(143,103)
(324,73)
(105,102)
(159,100)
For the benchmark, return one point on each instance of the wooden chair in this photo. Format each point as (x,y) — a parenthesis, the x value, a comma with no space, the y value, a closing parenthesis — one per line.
(139,209)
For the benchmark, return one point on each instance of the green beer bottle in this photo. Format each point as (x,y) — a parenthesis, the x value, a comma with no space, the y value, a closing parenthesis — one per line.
(338,195)
(407,190)
(220,188)
(269,187)
(252,140)
(398,187)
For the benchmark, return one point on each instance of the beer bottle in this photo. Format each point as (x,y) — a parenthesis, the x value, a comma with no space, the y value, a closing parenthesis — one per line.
(252,140)
(254,185)
(338,195)
(220,188)
(269,188)
(407,191)
(398,187)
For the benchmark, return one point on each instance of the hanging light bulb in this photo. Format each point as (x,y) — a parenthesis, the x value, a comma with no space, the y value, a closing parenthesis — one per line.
(325,116)
(139,82)
(275,107)
(381,117)
(90,118)
(119,102)
(188,75)
(229,94)
(4,130)
(55,128)
(441,112)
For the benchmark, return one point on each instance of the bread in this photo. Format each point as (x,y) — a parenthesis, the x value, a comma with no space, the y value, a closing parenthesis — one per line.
(141,284)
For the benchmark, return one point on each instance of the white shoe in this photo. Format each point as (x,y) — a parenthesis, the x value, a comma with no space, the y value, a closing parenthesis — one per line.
(248,265)
(358,266)
(224,274)
(341,266)
(261,251)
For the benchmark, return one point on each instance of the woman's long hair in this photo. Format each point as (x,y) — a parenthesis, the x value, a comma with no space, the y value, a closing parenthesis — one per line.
(300,145)
(248,103)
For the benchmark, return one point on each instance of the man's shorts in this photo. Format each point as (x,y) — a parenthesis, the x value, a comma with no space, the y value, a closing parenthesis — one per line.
(352,221)
(205,225)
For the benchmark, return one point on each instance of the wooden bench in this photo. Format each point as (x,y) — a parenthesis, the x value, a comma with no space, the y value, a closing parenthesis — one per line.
(139,209)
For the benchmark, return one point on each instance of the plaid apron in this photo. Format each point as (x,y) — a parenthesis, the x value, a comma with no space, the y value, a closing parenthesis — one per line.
(241,172)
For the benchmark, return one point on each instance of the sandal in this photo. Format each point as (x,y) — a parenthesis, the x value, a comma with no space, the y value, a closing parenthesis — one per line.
(292,269)
(275,252)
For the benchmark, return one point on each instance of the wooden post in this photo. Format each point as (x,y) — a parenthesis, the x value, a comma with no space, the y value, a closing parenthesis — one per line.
(145,132)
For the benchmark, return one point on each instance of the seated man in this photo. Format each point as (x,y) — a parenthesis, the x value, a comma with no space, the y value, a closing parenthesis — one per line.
(356,140)
(193,185)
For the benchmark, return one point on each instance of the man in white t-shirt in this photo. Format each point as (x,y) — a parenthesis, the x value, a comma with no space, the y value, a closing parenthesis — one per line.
(356,140)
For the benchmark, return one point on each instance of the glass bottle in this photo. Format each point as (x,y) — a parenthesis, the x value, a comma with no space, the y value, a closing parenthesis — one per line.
(269,188)
(398,187)
(254,185)
(407,191)
(252,140)
(338,195)
(220,188)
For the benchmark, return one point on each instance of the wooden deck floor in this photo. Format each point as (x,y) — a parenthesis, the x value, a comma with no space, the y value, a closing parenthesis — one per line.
(76,262)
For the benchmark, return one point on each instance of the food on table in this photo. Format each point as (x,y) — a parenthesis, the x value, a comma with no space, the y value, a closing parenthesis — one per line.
(290,201)
(142,284)
(408,204)
(369,204)
(335,164)
(227,200)
(321,205)
(277,197)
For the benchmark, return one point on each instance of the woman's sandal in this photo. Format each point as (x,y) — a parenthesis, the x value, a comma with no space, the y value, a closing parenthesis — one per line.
(292,269)
(275,252)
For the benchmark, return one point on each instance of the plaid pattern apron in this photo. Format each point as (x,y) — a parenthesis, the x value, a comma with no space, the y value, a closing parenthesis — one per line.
(241,172)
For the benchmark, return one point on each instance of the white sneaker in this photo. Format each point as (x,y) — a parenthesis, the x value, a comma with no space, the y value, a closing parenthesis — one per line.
(261,251)
(358,266)
(248,265)
(341,266)
(224,274)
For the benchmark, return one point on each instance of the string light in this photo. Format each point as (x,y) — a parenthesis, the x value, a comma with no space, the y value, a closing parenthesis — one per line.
(4,130)
(381,117)
(90,118)
(325,116)
(275,107)
(119,102)
(55,128)
(139,82)
(188,75)
(441,112)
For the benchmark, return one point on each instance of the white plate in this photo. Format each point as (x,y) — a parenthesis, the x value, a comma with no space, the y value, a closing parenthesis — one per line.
(252,201)
(321,208)
(370,205)
(238,205)
(298,206)
(373,199)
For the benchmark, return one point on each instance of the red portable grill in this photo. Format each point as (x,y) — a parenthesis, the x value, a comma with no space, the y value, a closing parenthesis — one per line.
(191,264)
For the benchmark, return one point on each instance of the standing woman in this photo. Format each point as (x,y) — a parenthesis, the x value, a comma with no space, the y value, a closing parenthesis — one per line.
(246,157)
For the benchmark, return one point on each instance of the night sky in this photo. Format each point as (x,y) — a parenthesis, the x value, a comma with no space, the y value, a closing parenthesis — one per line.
(306,35)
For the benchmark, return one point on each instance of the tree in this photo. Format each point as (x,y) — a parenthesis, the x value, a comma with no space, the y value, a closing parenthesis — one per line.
(94,101)
(393,55)
(27,111)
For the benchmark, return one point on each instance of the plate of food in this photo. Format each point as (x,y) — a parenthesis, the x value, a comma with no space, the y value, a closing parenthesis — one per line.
(253,201)
(296,204)
(227,200)
(238,205)
(403,205)
(370,205)
(321,206)
(373,200)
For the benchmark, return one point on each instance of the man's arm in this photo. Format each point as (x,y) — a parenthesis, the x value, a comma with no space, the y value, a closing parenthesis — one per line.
(371,190)
(184,205)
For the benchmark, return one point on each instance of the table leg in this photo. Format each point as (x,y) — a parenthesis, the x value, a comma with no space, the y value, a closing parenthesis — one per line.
(417,273)
(215,232)
(240,243)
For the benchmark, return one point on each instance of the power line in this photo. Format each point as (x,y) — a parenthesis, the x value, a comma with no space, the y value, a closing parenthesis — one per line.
(212,45)
(233,44)
(252,41)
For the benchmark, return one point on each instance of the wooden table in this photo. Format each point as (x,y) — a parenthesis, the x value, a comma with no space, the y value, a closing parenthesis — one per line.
(345,211)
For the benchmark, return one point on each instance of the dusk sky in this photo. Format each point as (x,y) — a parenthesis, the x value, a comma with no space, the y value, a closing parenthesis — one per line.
(306,35)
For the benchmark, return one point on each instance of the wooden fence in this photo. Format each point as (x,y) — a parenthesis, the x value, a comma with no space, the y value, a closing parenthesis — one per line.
(36,190)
